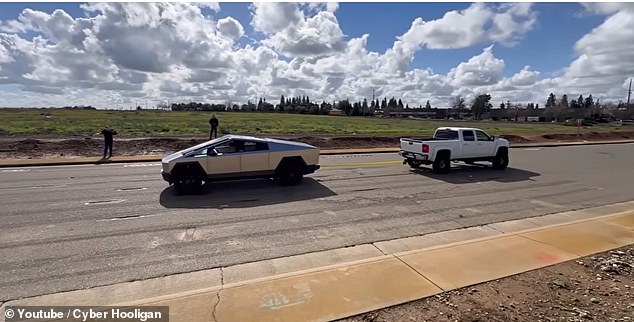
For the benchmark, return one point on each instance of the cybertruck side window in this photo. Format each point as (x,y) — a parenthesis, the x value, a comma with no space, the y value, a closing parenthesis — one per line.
(202,151)
(250,146)
(229,147)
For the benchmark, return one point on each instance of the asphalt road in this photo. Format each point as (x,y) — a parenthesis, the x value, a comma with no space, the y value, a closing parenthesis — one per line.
(71,227)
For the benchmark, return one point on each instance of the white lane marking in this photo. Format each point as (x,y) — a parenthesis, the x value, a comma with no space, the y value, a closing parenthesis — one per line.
(545,204)
(533,149)
(47,167)
(47,186)
(16,170)
(102,202)
(141,165)
(474,210)
(132,189)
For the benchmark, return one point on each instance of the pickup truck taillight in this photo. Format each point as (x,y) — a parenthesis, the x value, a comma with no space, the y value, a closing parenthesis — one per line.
(425,148)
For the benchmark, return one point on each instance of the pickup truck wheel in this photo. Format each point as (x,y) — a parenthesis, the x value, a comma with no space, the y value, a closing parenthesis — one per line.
(441,164)
(501,160)
(290,174)
(187,185)
(414,163)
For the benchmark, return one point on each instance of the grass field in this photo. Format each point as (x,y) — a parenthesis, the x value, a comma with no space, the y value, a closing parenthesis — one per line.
(149,123)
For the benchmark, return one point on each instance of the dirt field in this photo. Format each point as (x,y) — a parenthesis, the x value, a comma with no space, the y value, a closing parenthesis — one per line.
(595,288)
(17,147)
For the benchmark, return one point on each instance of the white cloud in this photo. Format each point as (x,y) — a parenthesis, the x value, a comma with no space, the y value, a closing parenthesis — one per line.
(214,6)
(607,7)
(312,8)
(293,34)
(480,70)
(230,27)
(478,23)
(524,77)
(119,43)
(122,52)
(514,20)
(273,17)
(318,35)
(605,56)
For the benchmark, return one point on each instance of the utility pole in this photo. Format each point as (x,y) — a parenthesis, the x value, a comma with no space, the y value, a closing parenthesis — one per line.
(629,92)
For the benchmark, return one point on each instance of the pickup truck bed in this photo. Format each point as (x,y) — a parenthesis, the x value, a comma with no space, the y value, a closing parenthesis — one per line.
(422,139)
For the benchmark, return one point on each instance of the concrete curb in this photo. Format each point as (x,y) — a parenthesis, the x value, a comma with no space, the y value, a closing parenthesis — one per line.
(6,163)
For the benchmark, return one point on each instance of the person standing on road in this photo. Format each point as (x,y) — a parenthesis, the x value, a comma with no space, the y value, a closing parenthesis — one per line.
(108,134)
(213,121)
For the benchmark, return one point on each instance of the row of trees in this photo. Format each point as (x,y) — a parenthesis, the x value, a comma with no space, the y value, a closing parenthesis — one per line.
(580,102)
(481,104)
(476,109)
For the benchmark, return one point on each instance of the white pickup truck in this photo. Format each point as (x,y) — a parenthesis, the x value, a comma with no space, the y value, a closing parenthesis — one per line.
(455,144)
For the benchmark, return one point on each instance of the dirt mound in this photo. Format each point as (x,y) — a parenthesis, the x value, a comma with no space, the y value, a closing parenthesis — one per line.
(34,148)
(91,147)
(516,138)
(589,136)
(350,141)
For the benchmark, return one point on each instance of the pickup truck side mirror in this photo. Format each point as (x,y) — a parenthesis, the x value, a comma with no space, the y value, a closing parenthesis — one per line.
(492,137)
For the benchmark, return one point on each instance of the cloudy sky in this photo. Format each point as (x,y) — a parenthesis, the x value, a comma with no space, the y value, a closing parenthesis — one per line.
(117,55)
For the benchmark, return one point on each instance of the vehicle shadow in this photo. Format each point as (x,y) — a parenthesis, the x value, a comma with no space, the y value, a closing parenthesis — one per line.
(244,194)
(463,173)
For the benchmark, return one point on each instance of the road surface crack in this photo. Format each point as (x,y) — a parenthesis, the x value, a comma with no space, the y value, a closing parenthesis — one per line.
(382,252)
(222,285)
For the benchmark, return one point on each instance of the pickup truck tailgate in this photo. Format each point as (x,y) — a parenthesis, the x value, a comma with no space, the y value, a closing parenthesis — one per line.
(411,145)
(413,149)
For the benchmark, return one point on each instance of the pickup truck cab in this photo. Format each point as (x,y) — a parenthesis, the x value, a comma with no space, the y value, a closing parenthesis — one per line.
(455,144)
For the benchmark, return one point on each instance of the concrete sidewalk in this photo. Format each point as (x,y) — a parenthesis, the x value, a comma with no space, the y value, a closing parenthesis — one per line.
(5,163)
(343,282)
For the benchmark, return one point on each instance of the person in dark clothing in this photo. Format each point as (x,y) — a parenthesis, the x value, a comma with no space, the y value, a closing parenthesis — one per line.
(213,121)
(108,134)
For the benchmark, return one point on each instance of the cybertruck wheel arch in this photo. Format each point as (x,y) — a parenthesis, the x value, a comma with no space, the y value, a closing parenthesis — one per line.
(193,169)
(290,171)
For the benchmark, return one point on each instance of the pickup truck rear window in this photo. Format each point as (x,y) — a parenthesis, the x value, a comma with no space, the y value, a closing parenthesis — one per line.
(446,135)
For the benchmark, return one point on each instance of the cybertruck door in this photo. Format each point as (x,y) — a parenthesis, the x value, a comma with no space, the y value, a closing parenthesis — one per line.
(223,160)
(255,158)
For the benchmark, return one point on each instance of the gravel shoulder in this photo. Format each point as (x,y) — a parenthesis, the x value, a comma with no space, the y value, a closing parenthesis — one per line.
(593,288)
